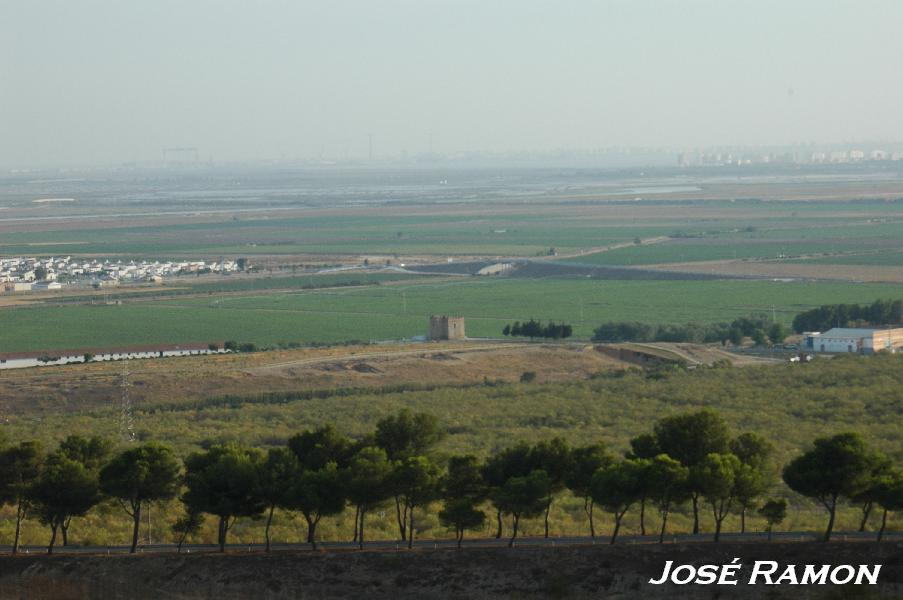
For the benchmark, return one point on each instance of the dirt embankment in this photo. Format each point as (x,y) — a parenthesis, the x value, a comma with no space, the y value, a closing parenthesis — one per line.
(80,387)
(538,572)
(693,355)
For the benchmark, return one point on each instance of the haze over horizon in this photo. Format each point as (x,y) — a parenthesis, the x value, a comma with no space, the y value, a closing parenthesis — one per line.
(100,81)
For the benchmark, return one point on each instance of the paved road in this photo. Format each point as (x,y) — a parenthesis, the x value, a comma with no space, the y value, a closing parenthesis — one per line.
(600,249)
(789,536)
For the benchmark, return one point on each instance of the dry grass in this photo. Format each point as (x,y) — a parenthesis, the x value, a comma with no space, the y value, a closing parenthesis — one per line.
(85,387)
(697,354)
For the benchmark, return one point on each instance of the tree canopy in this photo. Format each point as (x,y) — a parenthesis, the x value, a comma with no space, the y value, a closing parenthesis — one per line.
(224,481)
(305,476)
(368,483)
(670,485)
(463,489)
(522,496)
(585,461)
(138,476)
(716,478)
(616,487)
(318,493)
(407,434)
(64,489)
(836,467)
(878,313)
(20,468)
(690,438)
(535,329)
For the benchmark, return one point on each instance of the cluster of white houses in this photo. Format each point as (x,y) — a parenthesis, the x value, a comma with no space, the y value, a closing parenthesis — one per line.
(856,340)
(23,274)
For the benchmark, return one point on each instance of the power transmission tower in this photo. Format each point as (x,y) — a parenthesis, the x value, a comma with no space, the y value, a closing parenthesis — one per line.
(126,419)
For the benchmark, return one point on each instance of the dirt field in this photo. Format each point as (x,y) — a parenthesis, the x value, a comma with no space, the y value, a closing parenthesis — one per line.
(780,270)
(80,387)
(697,354)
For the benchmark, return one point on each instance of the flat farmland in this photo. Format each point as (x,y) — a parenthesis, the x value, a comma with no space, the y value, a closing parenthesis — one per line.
(704,233)
(187,285)
(475,232)
(296,217)
(690,250)
(401,310)
(208,285)
(311,218)
(823,271)
(826,242)
(404,213)
(890,258)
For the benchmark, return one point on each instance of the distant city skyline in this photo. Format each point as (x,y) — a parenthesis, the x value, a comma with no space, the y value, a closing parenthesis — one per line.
(611,157)
(106,82)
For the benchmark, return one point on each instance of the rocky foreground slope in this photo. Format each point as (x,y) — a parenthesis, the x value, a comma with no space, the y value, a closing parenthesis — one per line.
(599,571)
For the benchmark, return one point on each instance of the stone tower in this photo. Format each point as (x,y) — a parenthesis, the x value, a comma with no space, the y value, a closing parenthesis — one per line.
(443,327)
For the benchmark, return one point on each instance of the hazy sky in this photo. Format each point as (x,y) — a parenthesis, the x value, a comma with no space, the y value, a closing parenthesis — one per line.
(117,80)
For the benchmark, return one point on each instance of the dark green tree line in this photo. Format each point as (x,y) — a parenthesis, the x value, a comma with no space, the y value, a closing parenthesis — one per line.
(876,314)
(535,329)
(687,459)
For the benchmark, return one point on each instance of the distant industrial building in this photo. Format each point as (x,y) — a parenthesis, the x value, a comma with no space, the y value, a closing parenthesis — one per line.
(446,328)
(860,341)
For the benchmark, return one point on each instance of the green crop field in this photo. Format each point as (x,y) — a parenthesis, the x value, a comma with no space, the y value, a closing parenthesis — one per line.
(483,229)
(157,323)
(788,237)
(518,234)
(401,310)
(685,251)
(677,251)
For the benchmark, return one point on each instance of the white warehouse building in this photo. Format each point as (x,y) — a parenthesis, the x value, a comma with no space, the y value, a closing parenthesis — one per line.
(860,341)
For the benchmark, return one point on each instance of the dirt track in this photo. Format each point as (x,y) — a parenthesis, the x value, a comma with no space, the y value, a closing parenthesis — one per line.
(358,356)
(597,250)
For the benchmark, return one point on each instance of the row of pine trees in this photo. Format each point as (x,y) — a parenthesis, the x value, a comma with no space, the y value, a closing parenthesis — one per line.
(688,460)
